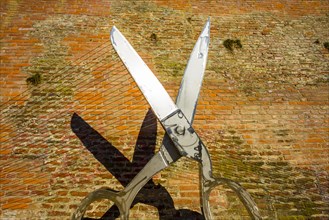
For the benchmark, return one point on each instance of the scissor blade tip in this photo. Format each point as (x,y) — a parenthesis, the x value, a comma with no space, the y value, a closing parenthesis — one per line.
(114,28)
(206,29)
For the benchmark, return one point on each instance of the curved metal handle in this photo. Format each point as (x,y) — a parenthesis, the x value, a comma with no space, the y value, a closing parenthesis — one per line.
(124,199)
(208,185)
(102,193)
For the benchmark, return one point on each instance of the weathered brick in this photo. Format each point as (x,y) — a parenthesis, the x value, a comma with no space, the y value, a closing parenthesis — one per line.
(262,112)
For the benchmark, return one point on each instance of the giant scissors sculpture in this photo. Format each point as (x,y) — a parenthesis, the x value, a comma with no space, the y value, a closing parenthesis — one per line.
(176,118)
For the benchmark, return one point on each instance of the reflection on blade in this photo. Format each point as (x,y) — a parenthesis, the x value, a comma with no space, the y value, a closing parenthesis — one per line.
(160,101)
(190,87)
(154,92)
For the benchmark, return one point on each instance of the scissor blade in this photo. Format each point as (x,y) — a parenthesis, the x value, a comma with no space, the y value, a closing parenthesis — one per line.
(154,92)
(159,100)
(191,83)
(189,90)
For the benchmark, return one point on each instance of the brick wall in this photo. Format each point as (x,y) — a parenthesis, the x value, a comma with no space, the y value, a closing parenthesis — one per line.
(72,120)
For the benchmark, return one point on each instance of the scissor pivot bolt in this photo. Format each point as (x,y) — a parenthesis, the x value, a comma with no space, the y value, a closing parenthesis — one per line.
(180,130)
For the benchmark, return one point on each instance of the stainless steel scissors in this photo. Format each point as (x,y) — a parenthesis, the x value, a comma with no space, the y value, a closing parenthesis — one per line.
(176,118)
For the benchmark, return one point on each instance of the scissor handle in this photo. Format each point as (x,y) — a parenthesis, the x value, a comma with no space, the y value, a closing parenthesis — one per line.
(208,185)
(124,199)
(101,193)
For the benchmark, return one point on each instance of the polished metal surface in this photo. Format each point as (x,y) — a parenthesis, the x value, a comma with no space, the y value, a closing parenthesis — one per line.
(160,101)
(193,75)
(180,139)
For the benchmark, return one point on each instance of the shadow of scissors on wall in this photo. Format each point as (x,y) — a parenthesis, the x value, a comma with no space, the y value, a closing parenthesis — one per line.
(124,171)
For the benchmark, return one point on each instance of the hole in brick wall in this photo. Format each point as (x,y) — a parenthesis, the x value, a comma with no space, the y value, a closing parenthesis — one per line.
(326,45)
(232,44)
(35,79)
(154,37)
